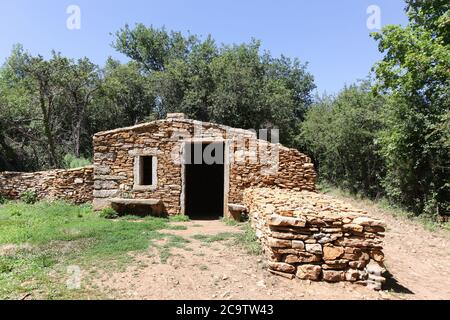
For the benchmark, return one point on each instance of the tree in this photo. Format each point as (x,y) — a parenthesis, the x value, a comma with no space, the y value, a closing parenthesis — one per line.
(128,93)
(41,79)
(233,85)
(80,81)
(153,48)
(341,134)
(45,105)
(415,72)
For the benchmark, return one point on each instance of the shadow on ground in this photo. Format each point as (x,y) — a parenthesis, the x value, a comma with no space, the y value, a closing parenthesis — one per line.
(393,285)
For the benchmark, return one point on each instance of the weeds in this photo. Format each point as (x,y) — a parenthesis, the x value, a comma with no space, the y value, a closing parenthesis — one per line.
(109,213)
(230,222)
(29,197)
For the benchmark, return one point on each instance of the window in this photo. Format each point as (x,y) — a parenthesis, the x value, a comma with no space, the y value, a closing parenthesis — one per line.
(146,171)
(145,177)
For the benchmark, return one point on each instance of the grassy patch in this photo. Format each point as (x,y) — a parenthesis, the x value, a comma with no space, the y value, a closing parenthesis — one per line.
(39,241)
(177,227)
(230,222)
(223,236)
(179,218)
(428,221)
(246,239)
(165,245)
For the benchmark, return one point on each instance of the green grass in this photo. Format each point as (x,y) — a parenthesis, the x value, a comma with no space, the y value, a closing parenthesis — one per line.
(179,218)
(170,241)
(223,236)
(177,227)
(230,222)
(38,242)
(246,239)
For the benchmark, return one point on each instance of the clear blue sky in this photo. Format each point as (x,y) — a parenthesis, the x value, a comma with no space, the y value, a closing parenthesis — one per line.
(331,35)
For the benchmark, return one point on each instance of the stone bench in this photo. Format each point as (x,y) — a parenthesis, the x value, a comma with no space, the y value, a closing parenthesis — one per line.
(154,207)
(237,210)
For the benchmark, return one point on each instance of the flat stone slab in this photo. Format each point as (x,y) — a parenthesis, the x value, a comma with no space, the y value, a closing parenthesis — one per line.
(145,202)
(237,207)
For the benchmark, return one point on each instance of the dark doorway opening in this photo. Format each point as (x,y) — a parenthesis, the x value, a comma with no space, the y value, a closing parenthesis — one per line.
(204,180)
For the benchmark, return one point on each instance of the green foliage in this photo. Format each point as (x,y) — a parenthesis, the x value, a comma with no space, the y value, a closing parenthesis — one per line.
(340,134)
(2,199)
(233,85)
(45,107)
(51,107)
(71,161)
(108,213)
(414,141)
(29,197)
(394,142)
(127,93)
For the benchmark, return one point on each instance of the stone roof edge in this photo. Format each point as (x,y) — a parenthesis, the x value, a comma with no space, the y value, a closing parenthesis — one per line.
(190,121)
(148,124)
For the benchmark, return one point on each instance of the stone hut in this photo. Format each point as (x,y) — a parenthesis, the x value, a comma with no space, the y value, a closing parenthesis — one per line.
(182,166)
(205,170)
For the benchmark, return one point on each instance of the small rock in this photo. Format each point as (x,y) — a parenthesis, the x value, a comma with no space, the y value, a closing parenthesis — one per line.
(314,248)
(333,276)
(332,253)
(309,272)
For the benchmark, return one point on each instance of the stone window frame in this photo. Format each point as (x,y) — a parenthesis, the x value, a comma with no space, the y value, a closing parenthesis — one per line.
(137,171)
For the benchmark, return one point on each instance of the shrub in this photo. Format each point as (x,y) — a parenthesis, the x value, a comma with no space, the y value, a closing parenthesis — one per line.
(71,161)
(6,265)
(15,213)
(29,197)
(2,199)
(109,213)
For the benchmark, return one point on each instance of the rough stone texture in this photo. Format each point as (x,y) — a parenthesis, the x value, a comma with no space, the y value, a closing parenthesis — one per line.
(320,237)
(309,272)
(73,185)
(251,162)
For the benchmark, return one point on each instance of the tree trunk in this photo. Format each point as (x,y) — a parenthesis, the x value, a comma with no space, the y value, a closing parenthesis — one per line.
(47,129)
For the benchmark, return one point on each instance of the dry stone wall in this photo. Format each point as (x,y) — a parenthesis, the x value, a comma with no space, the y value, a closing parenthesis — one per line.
(251,162)
(315,237)
(74,185)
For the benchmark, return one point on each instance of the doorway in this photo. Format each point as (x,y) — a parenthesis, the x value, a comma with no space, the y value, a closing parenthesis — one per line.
(204,180)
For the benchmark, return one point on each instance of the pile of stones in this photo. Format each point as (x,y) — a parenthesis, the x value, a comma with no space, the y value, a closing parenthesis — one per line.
(315,237)
(73,185)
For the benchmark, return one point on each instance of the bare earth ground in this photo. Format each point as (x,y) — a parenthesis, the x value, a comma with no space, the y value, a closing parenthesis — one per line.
(419,261)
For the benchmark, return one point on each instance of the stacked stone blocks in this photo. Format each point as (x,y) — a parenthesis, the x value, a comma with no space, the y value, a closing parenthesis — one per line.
(315,237)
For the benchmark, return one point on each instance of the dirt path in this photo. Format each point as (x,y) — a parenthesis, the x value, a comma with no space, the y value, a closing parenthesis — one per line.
(418,259)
